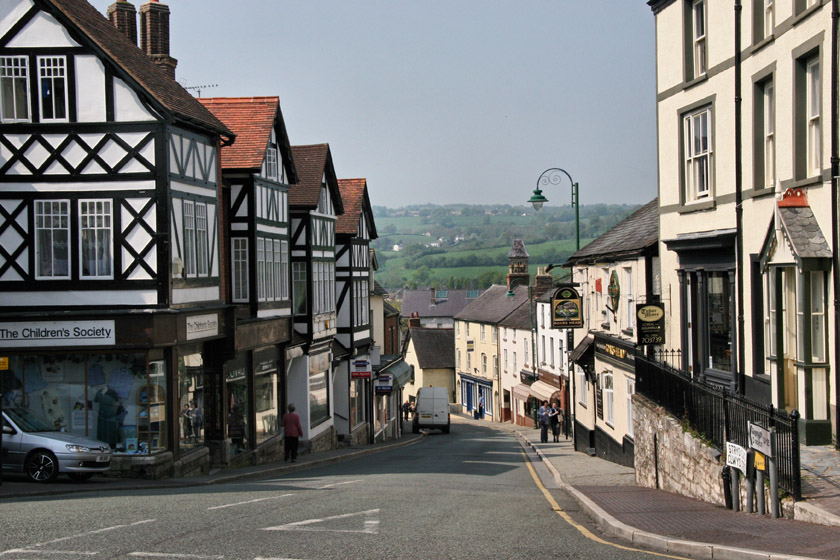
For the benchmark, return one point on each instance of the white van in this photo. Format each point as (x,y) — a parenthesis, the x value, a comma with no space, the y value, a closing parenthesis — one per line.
(431,409)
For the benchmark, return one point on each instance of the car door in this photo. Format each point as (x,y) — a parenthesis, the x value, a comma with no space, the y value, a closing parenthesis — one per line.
(11,453)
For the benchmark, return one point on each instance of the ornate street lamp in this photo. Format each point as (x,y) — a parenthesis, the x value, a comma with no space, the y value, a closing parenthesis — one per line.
(554,176)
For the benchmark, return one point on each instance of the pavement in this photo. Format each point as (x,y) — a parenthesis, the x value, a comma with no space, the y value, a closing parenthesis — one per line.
(653,519)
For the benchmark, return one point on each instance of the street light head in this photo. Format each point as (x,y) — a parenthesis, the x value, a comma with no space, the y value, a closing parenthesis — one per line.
(537,200)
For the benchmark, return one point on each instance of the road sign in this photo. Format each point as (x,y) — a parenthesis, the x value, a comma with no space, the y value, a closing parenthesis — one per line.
(760,439)
(736,456)
(759,463)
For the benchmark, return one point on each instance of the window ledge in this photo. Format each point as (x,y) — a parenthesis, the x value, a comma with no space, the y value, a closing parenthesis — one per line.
(797,18)
(628,332)
(694,81)
(808,181)
(704,204)
(762,192)
(763,42)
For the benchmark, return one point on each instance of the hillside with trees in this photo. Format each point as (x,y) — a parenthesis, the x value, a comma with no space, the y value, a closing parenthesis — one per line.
(466,246)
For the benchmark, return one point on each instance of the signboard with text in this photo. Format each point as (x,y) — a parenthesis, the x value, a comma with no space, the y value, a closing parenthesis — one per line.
(360,369)
(650,320)
(736,456)
(384,383)
(566,309)
(760,439)
(57,333)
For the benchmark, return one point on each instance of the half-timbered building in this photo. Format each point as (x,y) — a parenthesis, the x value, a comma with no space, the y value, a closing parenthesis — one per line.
(354,230)
(314,203)
(111,283)
(256,172)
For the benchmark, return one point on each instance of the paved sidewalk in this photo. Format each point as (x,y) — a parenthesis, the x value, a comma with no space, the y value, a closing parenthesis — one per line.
(668,522)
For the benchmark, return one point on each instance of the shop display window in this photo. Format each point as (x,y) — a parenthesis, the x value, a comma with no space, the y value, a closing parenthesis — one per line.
(267,398)
(190,397)
(319,405)
(236,403)
(93,395)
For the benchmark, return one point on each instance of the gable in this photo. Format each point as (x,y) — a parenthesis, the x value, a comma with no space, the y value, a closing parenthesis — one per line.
(43,30)
(10,14)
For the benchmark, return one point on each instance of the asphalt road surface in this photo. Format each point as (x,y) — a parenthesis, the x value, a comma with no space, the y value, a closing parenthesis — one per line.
(470,494)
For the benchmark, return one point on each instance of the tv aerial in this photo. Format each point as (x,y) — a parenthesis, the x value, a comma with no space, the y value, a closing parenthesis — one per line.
(198,89)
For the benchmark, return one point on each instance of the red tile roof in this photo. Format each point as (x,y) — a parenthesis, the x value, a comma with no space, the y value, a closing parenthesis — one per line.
(251,119)
(352,196)
(136,66)
(313,162)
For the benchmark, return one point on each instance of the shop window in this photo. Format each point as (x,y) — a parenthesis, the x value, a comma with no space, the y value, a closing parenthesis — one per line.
(267,401)
(236,402)
(319,406)
(190,396)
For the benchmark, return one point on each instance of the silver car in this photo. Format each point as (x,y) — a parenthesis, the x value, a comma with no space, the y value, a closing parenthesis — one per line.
(31,445)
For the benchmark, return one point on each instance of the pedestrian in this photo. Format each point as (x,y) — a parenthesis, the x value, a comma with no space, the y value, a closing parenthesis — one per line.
(556,416)
(186,416)
(481,406)
(292,432)
(544,422)
(406,408)
(236,429)
(197,422)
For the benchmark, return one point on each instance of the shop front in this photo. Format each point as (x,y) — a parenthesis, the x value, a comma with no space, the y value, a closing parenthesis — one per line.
(129,380)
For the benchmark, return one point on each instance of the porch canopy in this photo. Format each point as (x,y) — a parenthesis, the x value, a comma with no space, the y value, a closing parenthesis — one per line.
(542,390)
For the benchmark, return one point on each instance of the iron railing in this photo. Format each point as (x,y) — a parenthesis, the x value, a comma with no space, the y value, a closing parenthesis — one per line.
(719,416)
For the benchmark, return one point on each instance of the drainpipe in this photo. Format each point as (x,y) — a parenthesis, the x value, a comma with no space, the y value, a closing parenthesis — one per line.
(740,375)
(835,171)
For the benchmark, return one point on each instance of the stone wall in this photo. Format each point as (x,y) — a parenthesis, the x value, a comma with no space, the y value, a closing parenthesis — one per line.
(678,462)
(323,442)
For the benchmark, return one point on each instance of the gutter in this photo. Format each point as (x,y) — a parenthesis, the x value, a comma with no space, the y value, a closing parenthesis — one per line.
(738,368)
(835,171)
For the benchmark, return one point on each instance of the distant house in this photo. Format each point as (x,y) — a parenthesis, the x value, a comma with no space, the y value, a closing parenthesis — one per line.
(436,308)
(431,353)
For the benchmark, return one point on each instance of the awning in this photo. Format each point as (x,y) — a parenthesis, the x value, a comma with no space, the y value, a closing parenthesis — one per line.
(542,390)
(401,372)
(522,391)
(581,348)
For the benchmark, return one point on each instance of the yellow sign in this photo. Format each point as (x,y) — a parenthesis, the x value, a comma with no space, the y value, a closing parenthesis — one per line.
(759,462)
(4,364)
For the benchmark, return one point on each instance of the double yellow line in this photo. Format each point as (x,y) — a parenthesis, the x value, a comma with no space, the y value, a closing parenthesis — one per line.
(581,529)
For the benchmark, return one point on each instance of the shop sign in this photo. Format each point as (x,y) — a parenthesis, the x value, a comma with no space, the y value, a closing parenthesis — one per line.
(202,326)
(650,324)
(57,333)
(566,309)
(360,369)
(470,346)
(615,351)
(736,456)
(384,383)
(760,439)
(4,364)
(614,291)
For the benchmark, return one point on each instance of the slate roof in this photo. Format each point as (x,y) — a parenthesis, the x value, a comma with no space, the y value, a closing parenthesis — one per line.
(138,67)
(354,197)
(312,163)
(389,310)
(517,250)
(519,319)
(251,119)
(633,236)
(420,302)
(435,348)
(804,233)
(378,289)
(493,305)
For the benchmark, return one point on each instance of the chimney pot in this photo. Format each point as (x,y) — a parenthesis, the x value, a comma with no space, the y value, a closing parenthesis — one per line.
(123,16)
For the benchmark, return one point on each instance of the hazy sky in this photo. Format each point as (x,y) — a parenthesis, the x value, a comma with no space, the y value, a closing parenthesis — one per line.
(443,101)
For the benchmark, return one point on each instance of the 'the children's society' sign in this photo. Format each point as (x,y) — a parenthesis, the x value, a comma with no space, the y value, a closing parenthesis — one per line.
(566,309)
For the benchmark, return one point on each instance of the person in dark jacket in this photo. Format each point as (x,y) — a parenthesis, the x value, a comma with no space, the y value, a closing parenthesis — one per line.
(292,431)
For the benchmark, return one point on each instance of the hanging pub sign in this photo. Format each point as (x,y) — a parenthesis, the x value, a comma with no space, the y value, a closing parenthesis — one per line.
(614,291)
(566,309)
(650,323)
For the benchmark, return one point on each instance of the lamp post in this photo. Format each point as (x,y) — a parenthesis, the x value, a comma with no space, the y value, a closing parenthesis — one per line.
(554,176)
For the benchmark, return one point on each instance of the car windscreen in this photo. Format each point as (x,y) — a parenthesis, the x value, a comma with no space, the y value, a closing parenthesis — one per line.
(28,421)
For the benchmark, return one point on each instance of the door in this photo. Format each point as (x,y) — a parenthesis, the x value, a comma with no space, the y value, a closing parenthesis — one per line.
(788,315)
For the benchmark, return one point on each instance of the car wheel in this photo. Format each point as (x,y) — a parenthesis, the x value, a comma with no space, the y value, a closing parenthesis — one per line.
(79,476)
(445,429)
(41,466)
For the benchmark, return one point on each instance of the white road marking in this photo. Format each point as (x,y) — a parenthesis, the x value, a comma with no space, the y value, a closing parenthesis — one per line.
(338,484)
(249,502)
(95,531)
(371,524)
(44,552)
(173,555)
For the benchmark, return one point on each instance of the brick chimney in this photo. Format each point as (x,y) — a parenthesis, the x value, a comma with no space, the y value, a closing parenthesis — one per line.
(543,282)
(123,16)
(154,35)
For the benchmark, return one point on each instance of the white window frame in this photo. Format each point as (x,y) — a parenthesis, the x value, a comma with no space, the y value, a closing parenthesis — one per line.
(459,359)
(239,257)
(698,154)
(261,269)
(769,18)
(271,162)
(698,36)
(52,211)
(189,239)
(812,100)
(581,387)
(505,355)
(202,256)
(482,333)
(630,384)
(817,286)
(96,217)
(607,387)
(284,269)
(14,73)
(631,308)
(484,364)
(515,370)
(769,93)
(53,69)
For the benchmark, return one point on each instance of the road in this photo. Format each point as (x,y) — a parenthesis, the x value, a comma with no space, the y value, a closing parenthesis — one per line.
(470,494)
